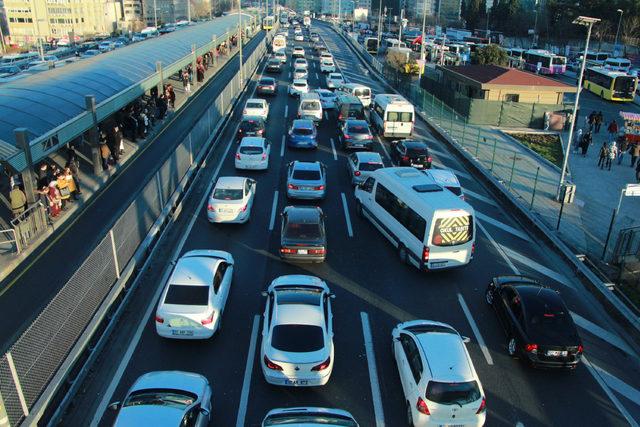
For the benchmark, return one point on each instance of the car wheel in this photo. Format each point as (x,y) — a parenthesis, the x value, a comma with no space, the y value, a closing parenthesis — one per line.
(359,209)
(512,348)
(488,296)
(402,253)
(409,415)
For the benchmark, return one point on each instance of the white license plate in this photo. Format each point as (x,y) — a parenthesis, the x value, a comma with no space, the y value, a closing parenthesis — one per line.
(226,210)
(438,264)
(296,382)
(182,332)
(306,188)
(556,353)
(417,165)
(303,251)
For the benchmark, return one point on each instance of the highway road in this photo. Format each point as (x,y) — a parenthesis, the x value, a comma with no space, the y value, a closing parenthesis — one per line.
(374,292)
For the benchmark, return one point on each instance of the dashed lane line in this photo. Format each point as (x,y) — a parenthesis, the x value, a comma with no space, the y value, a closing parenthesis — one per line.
(475,329)
(603,334)
(282,146)
(248,371)
(346,215)
(503,226)
(274,205)
(333,149)
(286,111)
(479,197)
(499,249)
(528,262)
(373,371)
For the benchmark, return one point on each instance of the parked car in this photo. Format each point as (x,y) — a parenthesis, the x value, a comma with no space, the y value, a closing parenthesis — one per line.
(253,153)
(256,107)
(194,296)
(298,86)
(302,234)
(538,324)
(274,65)
(408,152)
(91,52)
(308,416)
(231,200)
(360,165)
(251,126)
(267,86)
(356,134)
(303,134)
(439,382)
(167,398)
(106,46)
(334,80)
(306,180)
(327,98)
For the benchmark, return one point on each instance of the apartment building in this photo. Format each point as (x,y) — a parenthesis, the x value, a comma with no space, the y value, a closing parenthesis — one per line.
(165,11)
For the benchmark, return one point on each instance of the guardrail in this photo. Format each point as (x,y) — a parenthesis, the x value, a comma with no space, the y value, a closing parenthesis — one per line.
(30,225)
(39,363)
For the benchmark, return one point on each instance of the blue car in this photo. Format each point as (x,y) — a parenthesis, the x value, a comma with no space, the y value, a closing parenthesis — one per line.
(303,134)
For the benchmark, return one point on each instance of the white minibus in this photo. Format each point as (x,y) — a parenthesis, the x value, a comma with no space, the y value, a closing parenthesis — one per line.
(363,93)
(392,116)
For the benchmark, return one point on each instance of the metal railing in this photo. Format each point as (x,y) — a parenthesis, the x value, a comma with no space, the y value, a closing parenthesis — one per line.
(9,241)
(31,224)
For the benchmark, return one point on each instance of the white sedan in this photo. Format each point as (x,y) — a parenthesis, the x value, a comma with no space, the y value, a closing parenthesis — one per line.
(327,98)
(327,66)
(298,38)
(300,63)
(256,107)
(334,80)
(253,153)
(194,297)
(231,200)
(300,73)
(297,332)
(298,86)
(297,52)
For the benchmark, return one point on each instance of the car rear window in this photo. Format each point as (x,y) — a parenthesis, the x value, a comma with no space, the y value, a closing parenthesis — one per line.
(308,175)
(311,106)
(369,167)
(362,92)
(302,131)
(250,150)
(393,116)
(452,231)
(358,129)
(297,338)
(266,82)
(453,393)
(275,61)
(297,84)
(187,295)
(417,151)
(254,105)
(302,231)
(308,418)
(227,194)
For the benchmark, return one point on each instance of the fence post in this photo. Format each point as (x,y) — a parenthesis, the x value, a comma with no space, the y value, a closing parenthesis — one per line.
(513,167)
(606,242)
(115,253)
(451,126)
(478,142)
(493,157)
(535,185)
(441,111)
(194,67)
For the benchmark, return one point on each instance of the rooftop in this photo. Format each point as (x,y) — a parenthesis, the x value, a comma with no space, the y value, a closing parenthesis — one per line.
(496,75)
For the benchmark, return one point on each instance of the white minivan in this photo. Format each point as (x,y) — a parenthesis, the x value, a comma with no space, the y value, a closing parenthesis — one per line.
(310,107)
(431,227)
(392,116)
(363,93)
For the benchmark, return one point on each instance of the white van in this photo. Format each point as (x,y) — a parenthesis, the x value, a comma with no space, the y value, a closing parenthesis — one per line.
(363,93)
(310,106)
(389,43)
(279,43)
(392,116)
(431,227)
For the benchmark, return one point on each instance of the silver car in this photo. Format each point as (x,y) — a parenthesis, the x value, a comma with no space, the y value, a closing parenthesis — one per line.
(166,398)
(306,180)
(361,164)
(309,416)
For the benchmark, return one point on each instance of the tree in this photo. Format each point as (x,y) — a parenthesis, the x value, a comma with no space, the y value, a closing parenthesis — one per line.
(473,12)
(492,54)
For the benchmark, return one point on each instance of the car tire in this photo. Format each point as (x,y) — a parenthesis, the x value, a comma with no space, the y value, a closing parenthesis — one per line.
(489,296)
(512,348)
(409,415)
(402,253)
(359,211)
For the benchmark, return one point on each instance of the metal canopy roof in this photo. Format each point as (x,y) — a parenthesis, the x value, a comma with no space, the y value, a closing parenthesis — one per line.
(47,102)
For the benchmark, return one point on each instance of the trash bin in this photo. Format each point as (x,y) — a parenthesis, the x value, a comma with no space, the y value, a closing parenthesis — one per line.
(568,192)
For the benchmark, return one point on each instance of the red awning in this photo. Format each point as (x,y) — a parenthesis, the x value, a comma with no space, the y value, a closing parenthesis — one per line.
(417,40)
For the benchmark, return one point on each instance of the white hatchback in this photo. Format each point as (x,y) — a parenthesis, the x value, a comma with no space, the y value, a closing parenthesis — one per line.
(440,384)
(256,107)
(298,87)
(334,80)
(253,153)
(194,297)
(231,200)
(297,332)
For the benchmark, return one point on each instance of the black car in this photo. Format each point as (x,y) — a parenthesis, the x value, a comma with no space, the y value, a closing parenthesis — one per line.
(302,237)
(538,324)
(251,126)
(356,134)
(409,152)
(267,86)
(274,65)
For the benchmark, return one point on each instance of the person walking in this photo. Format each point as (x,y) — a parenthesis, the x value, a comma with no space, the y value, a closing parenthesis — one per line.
(577,141)
(63,188)
(635,152)
(603,155)
(586,142)
(623,146)
(171,96)
(105,153)
(612,154)
(591,120)
(186,82)
(597,121)
(71,183)
(613,129)
(53,197)
(18,201)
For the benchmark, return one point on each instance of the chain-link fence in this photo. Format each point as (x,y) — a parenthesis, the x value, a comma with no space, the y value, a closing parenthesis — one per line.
(33,360)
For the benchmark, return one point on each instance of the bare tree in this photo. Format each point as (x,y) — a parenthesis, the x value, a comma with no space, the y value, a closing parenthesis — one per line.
(602,30)
(630,28)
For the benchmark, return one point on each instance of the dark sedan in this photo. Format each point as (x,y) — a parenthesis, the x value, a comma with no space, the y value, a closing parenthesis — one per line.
(302,237)
(274,65)
(411,153)
(267,86)
(538,324)
(356,134)
(251,126)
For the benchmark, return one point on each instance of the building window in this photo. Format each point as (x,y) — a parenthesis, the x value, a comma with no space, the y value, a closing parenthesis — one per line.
(512,97)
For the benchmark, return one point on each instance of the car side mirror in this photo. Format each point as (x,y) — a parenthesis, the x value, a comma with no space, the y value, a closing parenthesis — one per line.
(466,340)
(332,296)
(204,412)
(264,293)
(114,406)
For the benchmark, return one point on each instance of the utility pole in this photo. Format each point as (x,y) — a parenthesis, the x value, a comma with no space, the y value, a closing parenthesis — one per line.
(380,23)
(189,10)
(240,37)
(424,36)
(155,14)
(400,30)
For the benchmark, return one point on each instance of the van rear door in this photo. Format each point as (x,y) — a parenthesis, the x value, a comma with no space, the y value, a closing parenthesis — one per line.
(452,239)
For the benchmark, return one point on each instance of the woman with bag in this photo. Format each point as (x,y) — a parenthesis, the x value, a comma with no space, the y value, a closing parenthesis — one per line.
(63,188)
(53,197)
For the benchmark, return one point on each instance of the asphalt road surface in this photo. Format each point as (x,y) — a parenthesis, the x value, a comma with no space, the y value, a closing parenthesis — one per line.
(364,272)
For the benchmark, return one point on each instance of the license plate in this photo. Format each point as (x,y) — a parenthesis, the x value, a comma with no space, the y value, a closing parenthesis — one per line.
(226,210)
(296,382)
(417,165)
(181,332)
(303,251)
(556,353)
(306,188)
(438,264)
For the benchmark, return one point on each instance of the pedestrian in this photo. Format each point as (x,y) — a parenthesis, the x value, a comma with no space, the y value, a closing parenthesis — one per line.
(577,141)
(603,154)
(63,188)
(18,201)
(613,129)
(105,153)
(71,184)
(591,120)
(162,106)
(597,121)
(635,152)
(171,96)
(53,198)
(119,140)
(623,147)
(586,142)
(44,174)
(613,153)
(186,82)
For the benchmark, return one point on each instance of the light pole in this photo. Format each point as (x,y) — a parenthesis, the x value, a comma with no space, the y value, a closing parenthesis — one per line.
(588,22)
(240,38)
(155,14)
(189,10)
(379,24)
(422,55)
(615,44)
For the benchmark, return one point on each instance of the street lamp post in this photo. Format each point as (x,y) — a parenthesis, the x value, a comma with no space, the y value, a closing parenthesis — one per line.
(588,22)
(380,24)
(155,14)
(240,37)
(422,54)
(615,44)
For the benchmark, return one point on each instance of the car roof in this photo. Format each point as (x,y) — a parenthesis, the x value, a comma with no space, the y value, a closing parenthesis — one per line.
(310,166)
(537,297)
(446,356)
(306,214)
(356,122)
(252,141)
(444,176)
(194,271)
(368,157)
(298,314)
(303,124)
(230,182)
(412,143)
(261,101)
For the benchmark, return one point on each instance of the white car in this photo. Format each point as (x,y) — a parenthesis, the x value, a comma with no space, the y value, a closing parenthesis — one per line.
(281,56)
(334,80)
(327,66)
(106,46)
(298,86)
(361,164)
(300,63)
(300,73)
(193,299)
(297,30)
(231,200)
(326,55)
(298,52)
(327,98)
(440,384)
(253,153)
(297,332)
(256,107)
(298,37)
(309,416)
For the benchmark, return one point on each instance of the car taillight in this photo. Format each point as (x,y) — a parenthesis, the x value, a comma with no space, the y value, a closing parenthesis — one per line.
(580,348)
(405,158)
(244,208)
(211,208)
(429,159)
(259,132)
(238,156)
(324,365)
(483,406)
(531,348)
(288,251)
(425,254)
(369,136)
(357,173)
(340,116)
(264,156)
(347,137)
(208,320)
(272,365)
(421,406)
(244,111)
(473,246)
(159,319)
(292,187)
(319,187)
(317,251)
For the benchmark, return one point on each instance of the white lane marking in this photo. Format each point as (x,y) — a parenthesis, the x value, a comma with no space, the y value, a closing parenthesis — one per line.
(286,111)
(289,74)
(434,150)
(326,115)
(503,226)
(274,205)
(519,424)
(603,334)
(518,257)
(282,146)
(480,197)
(476,331)
(386,153)
(333,149)
(373,371)
(498,248)
(248,371)
(618,385)
(597,376)
(317,77)
(346,214)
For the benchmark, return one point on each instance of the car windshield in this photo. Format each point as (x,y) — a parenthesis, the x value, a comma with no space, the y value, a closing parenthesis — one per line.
(304,419)
(369,167)
(302,131)
(297,338)
(250,150)
(187,295)
(227,194)
(163,397)
(274,61)
(362,92)
(358,129)
(306,175)
(254,105)
(453,393)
